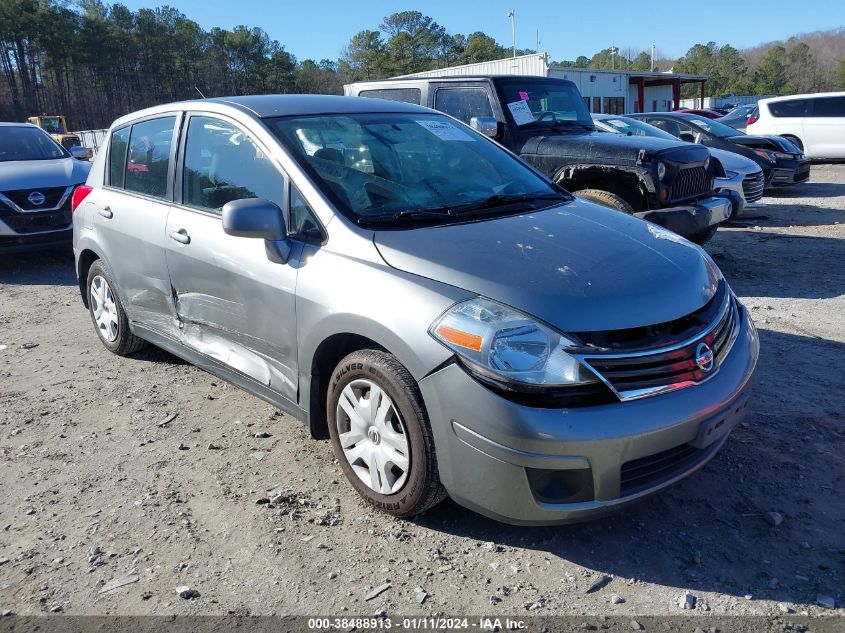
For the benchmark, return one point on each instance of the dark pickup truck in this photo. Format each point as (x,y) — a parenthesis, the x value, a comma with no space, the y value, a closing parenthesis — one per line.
(546,122)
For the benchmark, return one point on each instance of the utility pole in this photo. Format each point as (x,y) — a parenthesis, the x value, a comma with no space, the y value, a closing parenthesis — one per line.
(512,16)
(538,40)
(613,51)
(652,58)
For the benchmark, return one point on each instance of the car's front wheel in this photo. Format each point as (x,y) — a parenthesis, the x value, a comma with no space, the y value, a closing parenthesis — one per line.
(107,312)
(381,435)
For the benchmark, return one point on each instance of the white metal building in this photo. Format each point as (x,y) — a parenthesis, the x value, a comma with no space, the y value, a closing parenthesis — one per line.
(611,92)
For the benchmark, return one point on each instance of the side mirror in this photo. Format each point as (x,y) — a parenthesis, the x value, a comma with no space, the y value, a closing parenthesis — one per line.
(486,125)
(79,152)
(258,218)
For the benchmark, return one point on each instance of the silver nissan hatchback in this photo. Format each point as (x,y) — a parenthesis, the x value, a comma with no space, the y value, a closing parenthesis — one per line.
(455,322)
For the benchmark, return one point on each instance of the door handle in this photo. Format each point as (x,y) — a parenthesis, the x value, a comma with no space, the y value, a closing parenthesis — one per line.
(180,236)
(106,212)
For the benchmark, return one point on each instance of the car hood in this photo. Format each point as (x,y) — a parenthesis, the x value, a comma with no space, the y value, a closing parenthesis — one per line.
(734,162)
(611,148)
(578,266)
(774,143)
(34,174)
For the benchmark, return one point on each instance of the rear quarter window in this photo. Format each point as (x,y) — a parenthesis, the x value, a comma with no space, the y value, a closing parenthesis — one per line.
(117,156)
(405,95)
(829,107)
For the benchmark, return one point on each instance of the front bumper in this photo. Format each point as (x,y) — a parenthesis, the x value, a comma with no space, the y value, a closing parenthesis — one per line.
(691,219)
(790,172)
(16,242)
(533,466)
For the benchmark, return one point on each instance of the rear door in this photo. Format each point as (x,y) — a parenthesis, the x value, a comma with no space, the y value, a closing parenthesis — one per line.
(129,216)
(824,128)
(233,304)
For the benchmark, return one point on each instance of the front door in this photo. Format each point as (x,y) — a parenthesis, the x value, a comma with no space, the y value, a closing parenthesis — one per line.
(233,304)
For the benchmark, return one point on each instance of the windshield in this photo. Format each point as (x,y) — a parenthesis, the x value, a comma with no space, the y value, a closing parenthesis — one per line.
(27,143)
(632,127)
(545,102)
(51,125)
(714,127)
(376,164)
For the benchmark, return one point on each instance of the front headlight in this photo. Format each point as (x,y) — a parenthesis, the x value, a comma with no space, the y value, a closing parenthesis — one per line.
(765,154)
(784,155)
(661,170)
(731,174)
(509,348)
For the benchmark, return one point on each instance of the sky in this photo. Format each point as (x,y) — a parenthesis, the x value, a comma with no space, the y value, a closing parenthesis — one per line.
(320,29)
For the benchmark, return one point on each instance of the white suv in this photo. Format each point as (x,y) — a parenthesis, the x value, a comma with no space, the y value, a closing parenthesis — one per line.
(814,122)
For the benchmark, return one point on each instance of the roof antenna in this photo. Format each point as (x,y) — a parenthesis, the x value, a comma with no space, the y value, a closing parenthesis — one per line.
(200,91)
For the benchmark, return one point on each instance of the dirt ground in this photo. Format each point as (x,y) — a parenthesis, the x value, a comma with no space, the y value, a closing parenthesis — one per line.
(108,502)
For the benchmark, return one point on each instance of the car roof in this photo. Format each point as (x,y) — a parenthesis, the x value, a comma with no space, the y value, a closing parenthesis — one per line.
(15,124)
(803,96)
(452,78)
(265,106)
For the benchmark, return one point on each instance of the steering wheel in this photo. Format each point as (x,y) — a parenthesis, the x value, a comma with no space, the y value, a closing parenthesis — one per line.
(546,114)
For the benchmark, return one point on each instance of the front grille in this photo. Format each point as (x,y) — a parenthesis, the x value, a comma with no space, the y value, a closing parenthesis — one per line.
(640,373)
(52,196)
(647,472)
(753,185)
(690,182)
(34,222)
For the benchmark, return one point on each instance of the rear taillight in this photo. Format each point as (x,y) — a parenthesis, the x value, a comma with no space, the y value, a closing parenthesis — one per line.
(79,194)
(751,119)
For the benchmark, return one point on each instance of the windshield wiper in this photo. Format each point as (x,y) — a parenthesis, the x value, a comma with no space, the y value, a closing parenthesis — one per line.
(502,200)
(458,211)
(410,214)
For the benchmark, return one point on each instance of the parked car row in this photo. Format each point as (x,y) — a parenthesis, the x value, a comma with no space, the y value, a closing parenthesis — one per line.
(814,123)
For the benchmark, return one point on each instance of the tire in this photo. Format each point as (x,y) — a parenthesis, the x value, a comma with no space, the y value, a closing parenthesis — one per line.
(113,327)
(606,198)
(702,237)
(795,140)
(410,484)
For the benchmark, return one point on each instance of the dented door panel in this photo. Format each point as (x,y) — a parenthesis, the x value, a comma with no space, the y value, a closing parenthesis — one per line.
(232,303)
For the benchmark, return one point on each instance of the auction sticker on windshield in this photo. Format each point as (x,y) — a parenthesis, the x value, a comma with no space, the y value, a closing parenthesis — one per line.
(445,131)
(521,112)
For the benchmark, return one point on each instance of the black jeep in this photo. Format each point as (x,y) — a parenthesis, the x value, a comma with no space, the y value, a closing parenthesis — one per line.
(546,122)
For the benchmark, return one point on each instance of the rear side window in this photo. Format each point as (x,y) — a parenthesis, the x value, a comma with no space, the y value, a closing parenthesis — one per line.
(463,103)
(117,156)
(148,157)
(829,107)
(223,164)
(788,109)
(405,95)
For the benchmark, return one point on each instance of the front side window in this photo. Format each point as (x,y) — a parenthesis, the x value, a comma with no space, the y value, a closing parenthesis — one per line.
(28,143)
(117,156)
(148,157)
(302,223)
(789,108)
(223,164)
(375,164)
(463,103)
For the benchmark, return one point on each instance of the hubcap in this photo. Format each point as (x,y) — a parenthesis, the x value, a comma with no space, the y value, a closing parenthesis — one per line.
(104,309)
(373,436)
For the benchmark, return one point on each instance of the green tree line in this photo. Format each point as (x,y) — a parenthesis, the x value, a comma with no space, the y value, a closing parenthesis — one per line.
(93,61)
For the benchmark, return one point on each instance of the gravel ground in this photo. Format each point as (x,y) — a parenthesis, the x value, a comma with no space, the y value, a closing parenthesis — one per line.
(123,479)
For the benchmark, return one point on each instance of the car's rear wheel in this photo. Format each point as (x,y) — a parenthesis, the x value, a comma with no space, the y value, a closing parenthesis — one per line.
(380,433)
(107,312)
(606,198)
